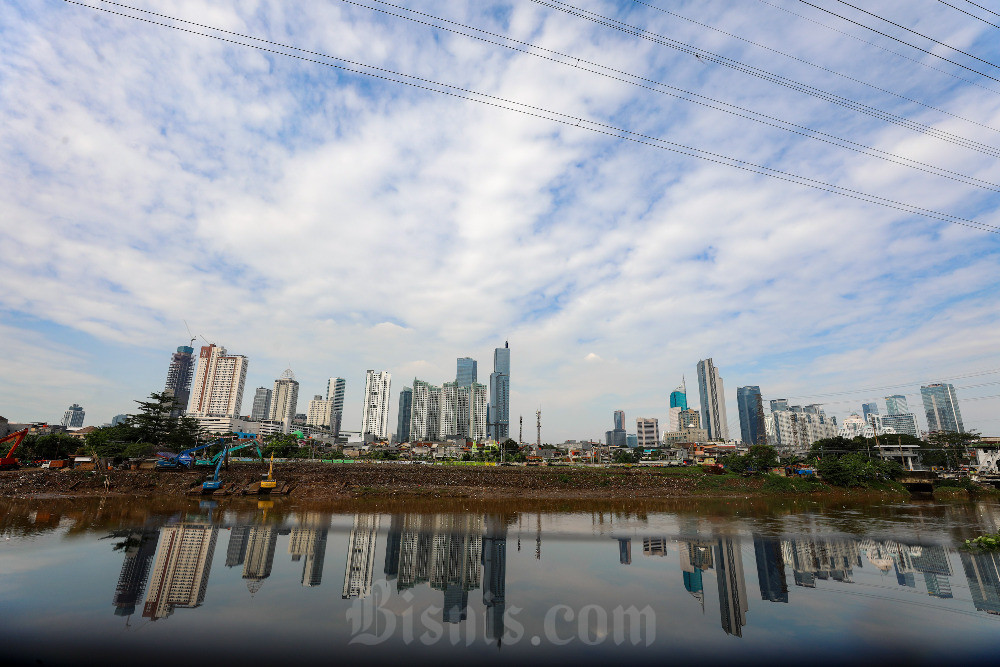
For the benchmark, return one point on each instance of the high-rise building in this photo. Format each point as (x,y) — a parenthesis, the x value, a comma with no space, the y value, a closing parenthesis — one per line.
(335,389)
(647,431)
(218,383)
(404,415)
(499,411)
(688,418)
(941,408)
(73,417)
(779,404)
(620,419)
(794,431)
(375,413)
(425,412)
(904,423)
(118,419)
(285,397)
(751,407)
(320,412)
(179,375)
(261,544)
(467,372)
(896,405)
(616,436)
(261,404)
(713,400)
(678,402)
(869,409)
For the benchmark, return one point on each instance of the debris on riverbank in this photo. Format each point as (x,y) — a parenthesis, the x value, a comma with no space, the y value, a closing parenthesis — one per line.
(313,480)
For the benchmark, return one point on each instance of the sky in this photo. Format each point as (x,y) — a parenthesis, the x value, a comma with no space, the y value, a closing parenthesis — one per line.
(372,189)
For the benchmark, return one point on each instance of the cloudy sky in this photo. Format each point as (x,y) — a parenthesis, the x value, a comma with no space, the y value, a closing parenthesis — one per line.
(423,182)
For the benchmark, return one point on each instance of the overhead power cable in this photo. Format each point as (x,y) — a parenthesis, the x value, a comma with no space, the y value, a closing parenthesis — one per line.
(869,390)
(982,8)
(978,18)
(769,76)
(678,93)
(879,46)
(901,41)
(566,119)
(803,61)
(919,34)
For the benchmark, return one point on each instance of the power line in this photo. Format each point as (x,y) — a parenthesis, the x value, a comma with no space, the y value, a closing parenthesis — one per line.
(879,46)
(993,371)
(969,13)
(567,119)
(769,76)
(664,89)
(983,8)
(811,64)
(901,41)
(919,34)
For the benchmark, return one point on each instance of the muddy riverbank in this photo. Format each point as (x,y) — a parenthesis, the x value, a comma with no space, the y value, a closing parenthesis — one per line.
(316,481)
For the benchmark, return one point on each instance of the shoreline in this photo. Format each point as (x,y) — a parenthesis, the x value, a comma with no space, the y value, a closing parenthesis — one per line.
(313,481)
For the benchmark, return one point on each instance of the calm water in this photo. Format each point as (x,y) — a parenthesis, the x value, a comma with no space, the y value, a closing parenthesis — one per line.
(115,582)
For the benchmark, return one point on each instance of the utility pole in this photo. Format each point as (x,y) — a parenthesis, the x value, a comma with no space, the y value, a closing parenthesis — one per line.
(520,433)
(538,424)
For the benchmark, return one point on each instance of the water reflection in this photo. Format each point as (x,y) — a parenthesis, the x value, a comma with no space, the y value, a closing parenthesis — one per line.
(451,577)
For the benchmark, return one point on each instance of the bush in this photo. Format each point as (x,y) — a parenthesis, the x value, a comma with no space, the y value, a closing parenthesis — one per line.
(757,461)
(854,470)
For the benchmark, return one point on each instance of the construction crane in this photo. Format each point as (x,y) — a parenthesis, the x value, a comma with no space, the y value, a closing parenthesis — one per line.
(8,462)
(190,335)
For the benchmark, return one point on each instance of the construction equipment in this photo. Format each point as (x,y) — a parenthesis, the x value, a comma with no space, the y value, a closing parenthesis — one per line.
(184,459)
(242,440)
(8,462)
(269,482)
(215,483)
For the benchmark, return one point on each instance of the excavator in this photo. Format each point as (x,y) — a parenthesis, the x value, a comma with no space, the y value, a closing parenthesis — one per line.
(215,483)
(269,482)
(9,462)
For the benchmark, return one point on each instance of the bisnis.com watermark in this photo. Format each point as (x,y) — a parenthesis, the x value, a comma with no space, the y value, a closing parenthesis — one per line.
(372,622)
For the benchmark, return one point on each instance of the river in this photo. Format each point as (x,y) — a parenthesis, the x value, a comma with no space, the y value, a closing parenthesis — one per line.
(148,582)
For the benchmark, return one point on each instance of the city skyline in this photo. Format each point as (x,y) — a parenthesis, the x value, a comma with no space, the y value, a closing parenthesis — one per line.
(610,266)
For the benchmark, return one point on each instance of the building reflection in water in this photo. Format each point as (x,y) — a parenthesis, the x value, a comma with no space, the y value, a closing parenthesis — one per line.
(983,572)
(180,574)
(361,556)
(140,548)
(309,545)
(495,576)
(770,568)
(733,605)
(695,557)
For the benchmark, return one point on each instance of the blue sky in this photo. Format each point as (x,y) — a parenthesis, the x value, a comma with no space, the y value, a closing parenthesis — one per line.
(310,217)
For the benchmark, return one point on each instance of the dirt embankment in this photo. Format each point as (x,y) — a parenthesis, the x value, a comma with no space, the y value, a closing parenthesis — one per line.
(336,481)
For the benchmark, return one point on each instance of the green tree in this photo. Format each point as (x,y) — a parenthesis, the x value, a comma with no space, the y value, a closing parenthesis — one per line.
(758,460)
(627,456)
(153,423)
(948,449)
(51,446)
(854,470)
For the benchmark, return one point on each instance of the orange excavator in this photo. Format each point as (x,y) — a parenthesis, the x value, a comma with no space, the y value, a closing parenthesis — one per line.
(8,462)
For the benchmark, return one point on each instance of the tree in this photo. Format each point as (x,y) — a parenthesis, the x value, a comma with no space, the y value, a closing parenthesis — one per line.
(50,446)
(153,423)
(758,460)
(838,446)
(852,470)
(947,449)
(627,456)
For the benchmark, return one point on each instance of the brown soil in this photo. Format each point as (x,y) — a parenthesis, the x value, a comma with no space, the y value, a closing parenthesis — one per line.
(314,481)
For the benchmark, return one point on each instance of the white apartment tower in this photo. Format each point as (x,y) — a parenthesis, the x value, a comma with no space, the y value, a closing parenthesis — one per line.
(375,416)
(284,397)
(648,430)
(713,401)
(217,390)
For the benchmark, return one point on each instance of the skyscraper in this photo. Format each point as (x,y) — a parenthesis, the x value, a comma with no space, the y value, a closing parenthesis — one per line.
(713,400)
(73,417)
(403,417)
(179,378)
(261,404)
(183,563)
(770,568)
(941,408)
(869,409)
(896,405)
(335,389)
(285,398)
(310,543)
(499,413)
(617,436)
(733,605)
(678,402)
(495,575)
(320,412)
(751,408)
(425,412)
(620,419)
(467,371)
(779,404)
(375,409)
(218,383)
(140,547)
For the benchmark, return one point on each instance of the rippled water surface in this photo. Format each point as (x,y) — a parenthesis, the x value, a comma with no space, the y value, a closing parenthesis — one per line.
(168,582)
